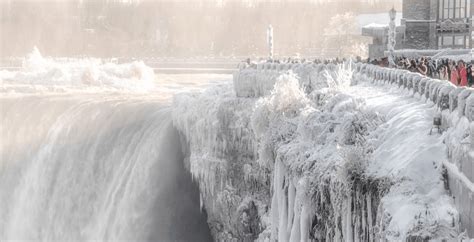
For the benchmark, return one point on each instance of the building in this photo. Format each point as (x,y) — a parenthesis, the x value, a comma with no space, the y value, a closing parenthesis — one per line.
(379,34)
(437,24)
(427,24)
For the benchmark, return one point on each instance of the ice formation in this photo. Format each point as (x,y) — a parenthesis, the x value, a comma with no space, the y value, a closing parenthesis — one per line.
(298,153)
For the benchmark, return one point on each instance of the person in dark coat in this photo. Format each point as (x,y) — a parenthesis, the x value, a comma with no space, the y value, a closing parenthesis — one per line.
(470,75)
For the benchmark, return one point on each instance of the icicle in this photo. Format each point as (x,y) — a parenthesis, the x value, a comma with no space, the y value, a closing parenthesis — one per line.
(274,208)
(328,237)
(201,204)
(369,216)
(348,236)
(356,218)
(283,220)
(291,205)
(356,230)
(295,230)
(337,234)
(305,221)
(364,220)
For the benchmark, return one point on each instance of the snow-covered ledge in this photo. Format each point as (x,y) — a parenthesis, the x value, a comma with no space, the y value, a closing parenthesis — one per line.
(456,106)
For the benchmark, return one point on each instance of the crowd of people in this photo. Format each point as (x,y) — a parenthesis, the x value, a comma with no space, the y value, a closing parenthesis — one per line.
(457,72)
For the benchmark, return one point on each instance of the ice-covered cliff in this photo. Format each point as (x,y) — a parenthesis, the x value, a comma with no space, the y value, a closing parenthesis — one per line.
(302,155)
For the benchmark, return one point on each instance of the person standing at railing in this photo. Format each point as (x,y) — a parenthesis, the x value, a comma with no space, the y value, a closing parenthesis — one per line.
(443,73)
(470,75)
(462,74)
(454,74)
(412,66)
(422,68)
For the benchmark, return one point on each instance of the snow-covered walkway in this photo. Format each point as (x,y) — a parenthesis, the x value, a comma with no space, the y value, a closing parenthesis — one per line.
(407,153)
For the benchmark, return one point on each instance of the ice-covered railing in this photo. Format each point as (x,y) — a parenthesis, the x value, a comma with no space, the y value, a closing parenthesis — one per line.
(258,79)
(444,94)
(456,108)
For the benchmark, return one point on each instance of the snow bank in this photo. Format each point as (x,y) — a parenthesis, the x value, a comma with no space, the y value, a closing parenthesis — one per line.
(77,73)
(295,163)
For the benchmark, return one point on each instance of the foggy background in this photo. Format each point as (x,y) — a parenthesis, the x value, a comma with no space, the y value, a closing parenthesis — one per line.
(147,28)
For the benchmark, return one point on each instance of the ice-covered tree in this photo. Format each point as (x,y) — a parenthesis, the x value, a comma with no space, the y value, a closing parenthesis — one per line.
(342,37)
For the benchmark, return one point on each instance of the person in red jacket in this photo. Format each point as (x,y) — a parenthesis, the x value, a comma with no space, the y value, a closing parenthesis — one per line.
(462,73)
(454,74)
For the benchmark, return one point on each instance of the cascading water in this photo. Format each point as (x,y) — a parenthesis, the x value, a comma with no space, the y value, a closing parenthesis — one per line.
(89,152)
(90,166)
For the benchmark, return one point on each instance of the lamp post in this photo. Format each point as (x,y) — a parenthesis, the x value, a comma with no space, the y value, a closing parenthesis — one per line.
(270,41)
(391,37)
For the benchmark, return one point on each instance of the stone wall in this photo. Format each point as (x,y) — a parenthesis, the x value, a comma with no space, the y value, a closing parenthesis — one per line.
(416,9)
(419,18)
(417,35)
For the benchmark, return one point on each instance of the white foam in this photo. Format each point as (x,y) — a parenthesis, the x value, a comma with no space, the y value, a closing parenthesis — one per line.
(39,73)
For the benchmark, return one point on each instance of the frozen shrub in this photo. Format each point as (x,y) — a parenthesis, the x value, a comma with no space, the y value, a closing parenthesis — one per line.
(416,82)
(453,98)
(355,165)
(470,107)
(472,139)
(463,95)
(443,99)
(409,82)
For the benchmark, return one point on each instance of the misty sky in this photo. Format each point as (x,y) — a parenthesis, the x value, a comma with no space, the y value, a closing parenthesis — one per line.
(146,28)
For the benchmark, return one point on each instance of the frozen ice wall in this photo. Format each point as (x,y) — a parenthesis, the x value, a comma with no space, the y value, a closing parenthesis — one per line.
(295,153)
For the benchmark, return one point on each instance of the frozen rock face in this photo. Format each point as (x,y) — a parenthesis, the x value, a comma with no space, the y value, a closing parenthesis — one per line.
(299,162)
